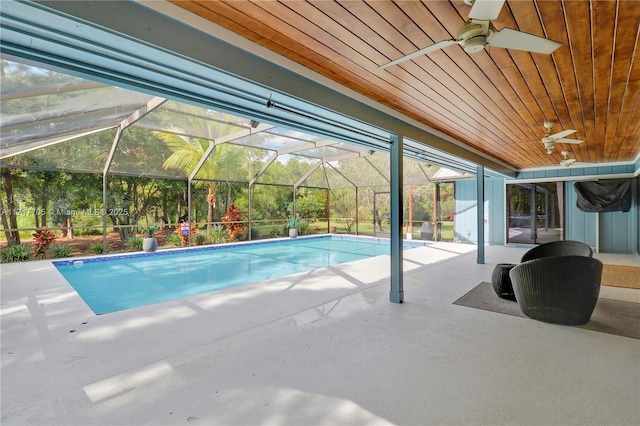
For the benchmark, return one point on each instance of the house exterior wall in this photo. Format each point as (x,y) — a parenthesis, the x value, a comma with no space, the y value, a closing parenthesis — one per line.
(619,232)
(465,228)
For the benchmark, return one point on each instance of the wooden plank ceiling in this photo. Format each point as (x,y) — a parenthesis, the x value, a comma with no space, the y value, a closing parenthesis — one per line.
(495,100)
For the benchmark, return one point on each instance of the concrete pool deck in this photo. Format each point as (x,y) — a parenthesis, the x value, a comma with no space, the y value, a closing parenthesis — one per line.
(321,347)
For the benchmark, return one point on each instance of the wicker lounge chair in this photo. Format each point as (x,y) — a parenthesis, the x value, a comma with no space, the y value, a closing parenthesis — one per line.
(559,289)
(558,248)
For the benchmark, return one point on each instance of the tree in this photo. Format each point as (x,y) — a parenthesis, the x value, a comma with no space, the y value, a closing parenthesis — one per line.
(343,206)
(13,237)
(75,194)
(129,198)
(310,204)
(39,183)
(186,154)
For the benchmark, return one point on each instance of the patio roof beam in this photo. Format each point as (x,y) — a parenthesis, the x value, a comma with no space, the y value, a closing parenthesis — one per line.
(306,175)
(54,117)
(377,169)
(203,159)
(264,168)
(33,145)
(136,115)
(49,91)
(341,157)
(424,172)
(226,139)
(342,174)
(295,149)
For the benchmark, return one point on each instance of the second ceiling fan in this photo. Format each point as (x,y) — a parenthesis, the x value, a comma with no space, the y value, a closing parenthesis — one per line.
(549,140)
(479,32)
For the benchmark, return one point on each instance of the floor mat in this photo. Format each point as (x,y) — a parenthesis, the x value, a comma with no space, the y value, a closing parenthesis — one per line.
(610,316)
(621,276)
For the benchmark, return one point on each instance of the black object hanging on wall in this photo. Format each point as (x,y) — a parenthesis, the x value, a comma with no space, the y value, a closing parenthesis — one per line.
(607,195)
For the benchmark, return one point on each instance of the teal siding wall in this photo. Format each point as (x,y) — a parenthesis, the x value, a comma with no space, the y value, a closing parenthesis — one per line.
(619,232)
(637,206)
(579,226)
(466,211)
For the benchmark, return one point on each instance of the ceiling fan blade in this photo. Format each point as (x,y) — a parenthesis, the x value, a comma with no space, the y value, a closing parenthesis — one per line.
(565,140)
(562,134)
(512,39)
(439,45)
(486,10)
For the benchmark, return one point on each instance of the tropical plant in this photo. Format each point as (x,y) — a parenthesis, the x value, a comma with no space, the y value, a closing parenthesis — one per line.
(232,220)
(135,243)
(218,234)
(187,153)
(61,250)
(200,238)
(97,248)
(42,239)
(15,253)
(149,229)
(172,240)
(184,238)
(304,227)
(292,222)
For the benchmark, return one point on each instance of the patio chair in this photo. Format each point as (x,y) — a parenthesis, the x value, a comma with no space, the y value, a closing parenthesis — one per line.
(558,248)
(559,289)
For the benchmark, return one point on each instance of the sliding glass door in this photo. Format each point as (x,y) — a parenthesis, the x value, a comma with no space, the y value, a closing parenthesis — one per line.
(535,212)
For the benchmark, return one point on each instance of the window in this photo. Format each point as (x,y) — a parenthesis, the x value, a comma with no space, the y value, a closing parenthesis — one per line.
(535,212)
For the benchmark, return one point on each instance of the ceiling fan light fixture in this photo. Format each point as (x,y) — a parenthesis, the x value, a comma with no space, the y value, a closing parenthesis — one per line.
(549,145)
(475,44)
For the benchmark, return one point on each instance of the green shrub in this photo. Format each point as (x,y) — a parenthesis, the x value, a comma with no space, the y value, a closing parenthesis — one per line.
(200,238)
(15,253)
(97,248)
(304,227)
(61,250)
(172,240)
(135,243)
(218,234)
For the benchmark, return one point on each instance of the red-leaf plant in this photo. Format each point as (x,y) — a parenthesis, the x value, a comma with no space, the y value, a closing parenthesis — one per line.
(43,238)
(232,220)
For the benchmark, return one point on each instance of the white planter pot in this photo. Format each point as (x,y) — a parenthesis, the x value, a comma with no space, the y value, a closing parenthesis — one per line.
(149,244)
(293,232)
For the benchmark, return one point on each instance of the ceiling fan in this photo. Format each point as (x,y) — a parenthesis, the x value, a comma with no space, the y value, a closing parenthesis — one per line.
(566,160)
(479,32)
(549,140)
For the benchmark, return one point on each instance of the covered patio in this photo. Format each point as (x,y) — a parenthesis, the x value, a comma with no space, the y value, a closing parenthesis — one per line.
(325,347)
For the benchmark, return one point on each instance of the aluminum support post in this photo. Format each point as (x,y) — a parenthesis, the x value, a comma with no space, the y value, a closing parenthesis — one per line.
(480,198)
(397,286)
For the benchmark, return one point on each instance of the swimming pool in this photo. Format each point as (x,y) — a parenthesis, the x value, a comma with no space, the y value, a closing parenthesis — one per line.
(114,283)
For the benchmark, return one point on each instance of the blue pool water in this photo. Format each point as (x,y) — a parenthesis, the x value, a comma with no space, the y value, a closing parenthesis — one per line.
(109,284)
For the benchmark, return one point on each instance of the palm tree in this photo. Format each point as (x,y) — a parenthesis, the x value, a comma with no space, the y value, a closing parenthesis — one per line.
(186,154)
